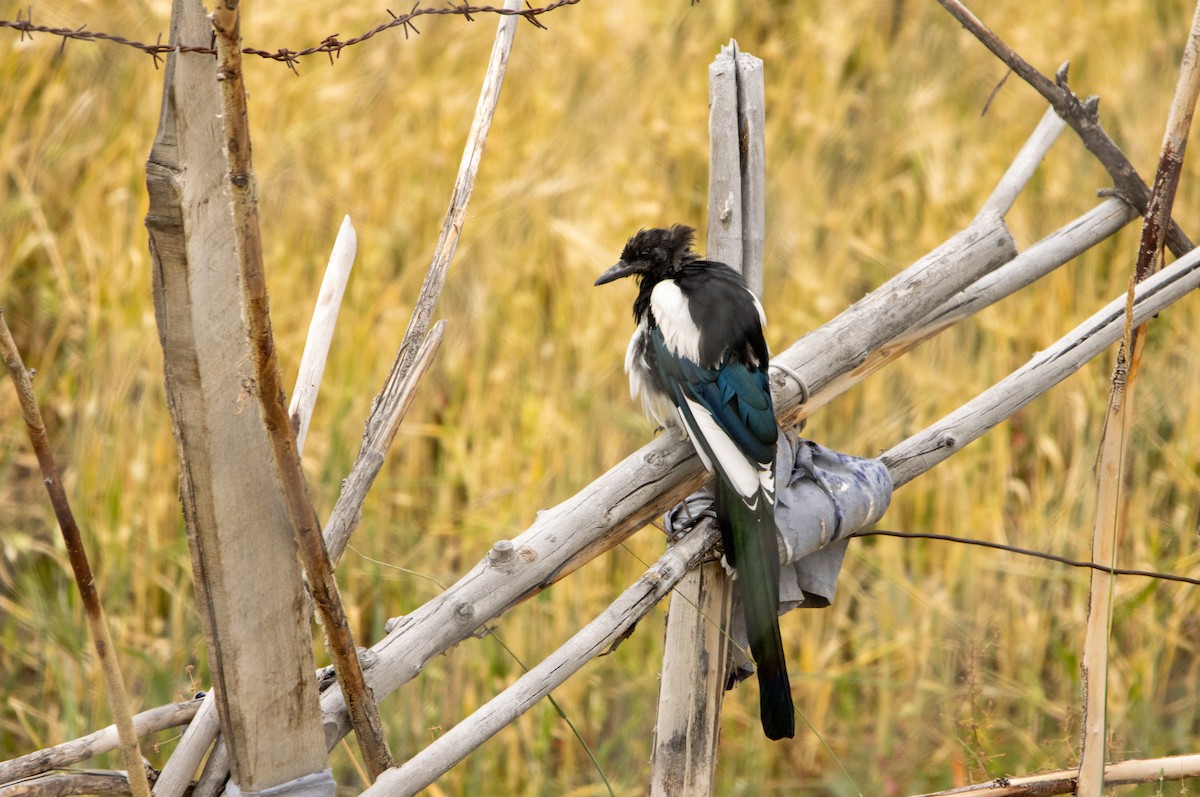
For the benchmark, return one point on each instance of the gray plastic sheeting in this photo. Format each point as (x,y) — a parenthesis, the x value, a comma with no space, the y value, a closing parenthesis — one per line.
(318,784)
(821,498)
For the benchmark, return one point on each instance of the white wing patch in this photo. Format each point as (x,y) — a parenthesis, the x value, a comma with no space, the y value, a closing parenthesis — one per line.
(746,477)
(670,309)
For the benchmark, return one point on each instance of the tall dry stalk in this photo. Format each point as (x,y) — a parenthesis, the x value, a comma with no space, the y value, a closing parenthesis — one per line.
(1118,420)
(118,698)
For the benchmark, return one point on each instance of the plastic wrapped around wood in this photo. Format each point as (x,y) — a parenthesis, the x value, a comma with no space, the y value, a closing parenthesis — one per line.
(822,496)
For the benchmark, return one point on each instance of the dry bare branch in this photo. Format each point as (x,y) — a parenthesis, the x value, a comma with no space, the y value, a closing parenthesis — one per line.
(105,740)
(261,661)
(177,773)
(417,348)
(1047,368)
(609,628)
(64,784)
(1124,773)
(320,331)
(1113,443)
(1080,115)
(268,390)
(114,683)
(393,406)
(696,648)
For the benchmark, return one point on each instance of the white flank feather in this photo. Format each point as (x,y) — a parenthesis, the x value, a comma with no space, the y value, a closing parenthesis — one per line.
(655,404)
(670,309)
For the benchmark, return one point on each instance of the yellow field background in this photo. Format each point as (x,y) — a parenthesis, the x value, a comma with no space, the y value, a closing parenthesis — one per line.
(938,664)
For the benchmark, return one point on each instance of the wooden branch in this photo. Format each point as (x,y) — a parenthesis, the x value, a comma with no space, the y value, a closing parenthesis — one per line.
(215,776)
(1021,170)
(1046,369)
(1094,665)
(1125,773)
(70,783)
(391,406)
(320,331)
(1038,260)
(105,740)
(843,351)
(1115,437)
(268,389)
(417,348)
(597,637)
(456,214)
(106,655)
(658,476)
(696,649)
(177,773)
(862,338)
(1170,162)
(1081,116)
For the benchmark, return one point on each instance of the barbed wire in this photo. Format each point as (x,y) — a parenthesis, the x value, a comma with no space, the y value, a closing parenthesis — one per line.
(331,45)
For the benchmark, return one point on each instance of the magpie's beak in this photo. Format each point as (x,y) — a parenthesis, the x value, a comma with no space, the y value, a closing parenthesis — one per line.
(621,269)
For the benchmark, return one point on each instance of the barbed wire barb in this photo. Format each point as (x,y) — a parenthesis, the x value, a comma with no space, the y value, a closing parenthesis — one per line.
(531,18)
(330,45)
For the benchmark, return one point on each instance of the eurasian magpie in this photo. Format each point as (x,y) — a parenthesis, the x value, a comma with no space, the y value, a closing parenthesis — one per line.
(698,358)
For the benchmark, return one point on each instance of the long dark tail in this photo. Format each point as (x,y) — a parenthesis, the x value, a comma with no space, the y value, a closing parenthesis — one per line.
(750,546)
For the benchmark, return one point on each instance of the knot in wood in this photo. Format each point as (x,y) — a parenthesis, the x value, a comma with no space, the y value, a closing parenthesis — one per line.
(727,209)
(464,611)
(393,623)
(367,658)
(527,555)
(502,552)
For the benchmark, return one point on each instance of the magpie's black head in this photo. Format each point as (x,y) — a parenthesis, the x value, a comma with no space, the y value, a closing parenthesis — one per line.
(654,253)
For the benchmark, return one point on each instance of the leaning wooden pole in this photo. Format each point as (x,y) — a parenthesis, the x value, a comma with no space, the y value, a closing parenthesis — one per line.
(1114,441)
(267,389)
(697,650)
(114,684)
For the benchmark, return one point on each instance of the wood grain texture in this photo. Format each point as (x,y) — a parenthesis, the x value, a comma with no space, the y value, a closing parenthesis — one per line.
(243,551)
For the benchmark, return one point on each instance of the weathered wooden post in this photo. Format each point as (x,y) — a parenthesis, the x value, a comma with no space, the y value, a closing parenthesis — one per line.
(696,656)
(248,584)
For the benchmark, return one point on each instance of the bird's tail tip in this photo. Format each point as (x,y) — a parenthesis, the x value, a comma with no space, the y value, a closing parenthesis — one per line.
(775,705)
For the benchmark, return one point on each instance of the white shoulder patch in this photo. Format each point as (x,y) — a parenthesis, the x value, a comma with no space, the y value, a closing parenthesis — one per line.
(670,309)
(762,316)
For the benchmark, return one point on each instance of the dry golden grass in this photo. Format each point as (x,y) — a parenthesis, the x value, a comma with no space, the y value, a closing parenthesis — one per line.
(937,662)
